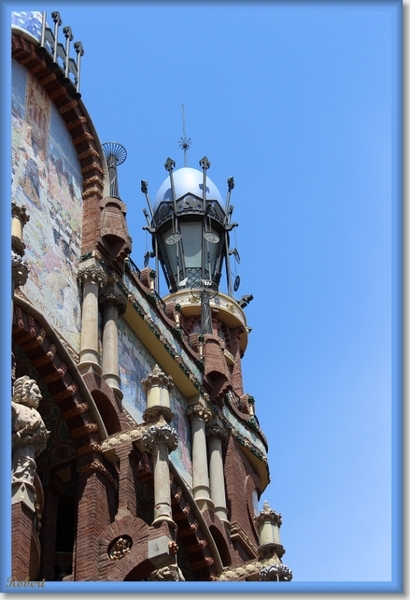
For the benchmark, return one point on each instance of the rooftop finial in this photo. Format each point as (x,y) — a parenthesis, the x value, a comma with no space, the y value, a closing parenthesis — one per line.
(184,142)
(115,155)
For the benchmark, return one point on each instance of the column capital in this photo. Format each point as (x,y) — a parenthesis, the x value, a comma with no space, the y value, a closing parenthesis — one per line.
(19,269)
(157,378)
(92,273)
(268,515)
(199,410)
(160,433)
(113,298)
(19,212)
(216,431)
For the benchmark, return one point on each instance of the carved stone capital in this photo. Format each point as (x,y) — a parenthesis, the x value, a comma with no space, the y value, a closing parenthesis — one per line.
(200,411)
(160,433)
(275,572)
(19,269)
(157,377)
(153,413)
(267,514)
(19,212)
(216,431)
(269,550)
(94,274)
(18,245)
(112,298)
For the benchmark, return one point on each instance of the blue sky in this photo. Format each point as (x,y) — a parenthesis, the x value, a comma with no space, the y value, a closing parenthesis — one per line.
(298,102)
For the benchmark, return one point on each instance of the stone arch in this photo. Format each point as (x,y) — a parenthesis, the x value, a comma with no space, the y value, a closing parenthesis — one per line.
(222,545)
(39,346)
(134,564)
(114,419)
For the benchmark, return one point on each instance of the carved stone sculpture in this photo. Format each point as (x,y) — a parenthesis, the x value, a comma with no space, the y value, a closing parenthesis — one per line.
(167,573)
(29,438)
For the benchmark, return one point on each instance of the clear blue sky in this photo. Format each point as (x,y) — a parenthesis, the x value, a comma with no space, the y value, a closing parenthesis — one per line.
(295,100)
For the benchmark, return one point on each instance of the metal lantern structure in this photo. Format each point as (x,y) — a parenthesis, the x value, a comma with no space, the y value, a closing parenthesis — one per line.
(190,226)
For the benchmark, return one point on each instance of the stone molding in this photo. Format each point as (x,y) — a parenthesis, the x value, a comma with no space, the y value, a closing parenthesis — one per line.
(157,378)
(237,533)
(200,411)
(97,466)
(94,274)
(251,570)
(127,436)
(160,433)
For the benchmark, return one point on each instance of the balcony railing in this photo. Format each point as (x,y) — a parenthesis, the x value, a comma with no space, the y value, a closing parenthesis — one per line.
(59,52)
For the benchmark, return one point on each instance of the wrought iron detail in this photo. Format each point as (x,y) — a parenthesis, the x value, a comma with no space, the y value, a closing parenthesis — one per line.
(60,53)
(115,155)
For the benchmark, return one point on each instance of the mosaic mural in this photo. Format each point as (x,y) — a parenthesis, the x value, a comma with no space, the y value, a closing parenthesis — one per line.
(46,178)
(135,362)
(30,21)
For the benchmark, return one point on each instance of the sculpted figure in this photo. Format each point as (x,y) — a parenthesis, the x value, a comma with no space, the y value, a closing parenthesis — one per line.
(29,433)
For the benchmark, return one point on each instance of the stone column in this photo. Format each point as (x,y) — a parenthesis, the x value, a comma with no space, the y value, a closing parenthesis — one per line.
(159,440)
(91,278)
(268,523)
(114,305)
(216,436)
(157,387)
(200,415)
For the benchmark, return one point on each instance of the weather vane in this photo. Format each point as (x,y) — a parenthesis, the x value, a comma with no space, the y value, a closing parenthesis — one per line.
(184,142)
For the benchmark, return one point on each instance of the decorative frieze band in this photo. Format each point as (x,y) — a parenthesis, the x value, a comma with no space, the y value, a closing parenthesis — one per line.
(121,438)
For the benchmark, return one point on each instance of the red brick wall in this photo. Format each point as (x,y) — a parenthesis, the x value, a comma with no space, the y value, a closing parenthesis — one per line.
(21,523)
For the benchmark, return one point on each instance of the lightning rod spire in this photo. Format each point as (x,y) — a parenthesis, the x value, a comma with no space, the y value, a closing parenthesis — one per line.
(184,142)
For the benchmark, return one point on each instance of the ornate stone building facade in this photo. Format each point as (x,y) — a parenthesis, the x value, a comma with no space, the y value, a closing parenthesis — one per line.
(136,453)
